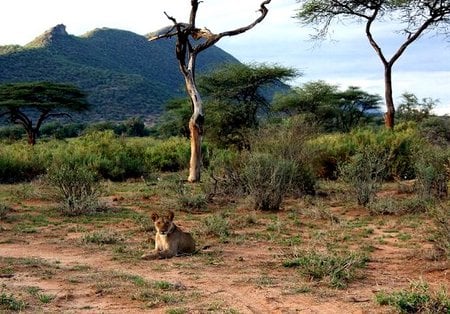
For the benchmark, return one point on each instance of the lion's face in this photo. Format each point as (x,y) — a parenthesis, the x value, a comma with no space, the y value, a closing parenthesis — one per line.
(164,224)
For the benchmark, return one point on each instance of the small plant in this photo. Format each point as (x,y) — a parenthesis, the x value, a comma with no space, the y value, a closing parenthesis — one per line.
(9,302)
(217,225)
(418,299)
(390,206)
(268,179)
(441,232)
(102,237)
(188,198)
(432,172)
(45,298)
(77,187)
(338,270)
(364,172)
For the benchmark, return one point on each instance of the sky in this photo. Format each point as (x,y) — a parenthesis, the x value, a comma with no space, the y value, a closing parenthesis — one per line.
(346,59)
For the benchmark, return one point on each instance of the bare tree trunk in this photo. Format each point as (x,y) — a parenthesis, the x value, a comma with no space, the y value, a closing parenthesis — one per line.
(187,51)
(390,113)
(196,130)
(32,136)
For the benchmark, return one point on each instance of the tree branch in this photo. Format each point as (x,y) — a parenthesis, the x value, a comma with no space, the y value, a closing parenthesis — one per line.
(211,39)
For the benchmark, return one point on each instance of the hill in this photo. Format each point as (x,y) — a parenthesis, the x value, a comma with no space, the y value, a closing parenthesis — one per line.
(123,73)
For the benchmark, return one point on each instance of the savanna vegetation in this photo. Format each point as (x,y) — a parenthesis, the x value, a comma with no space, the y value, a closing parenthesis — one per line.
(308,198)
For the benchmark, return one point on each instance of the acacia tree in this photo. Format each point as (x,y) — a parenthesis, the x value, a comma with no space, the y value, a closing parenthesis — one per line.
(190,41)
(324,104)
(237,96)
(415,17)
(21,101)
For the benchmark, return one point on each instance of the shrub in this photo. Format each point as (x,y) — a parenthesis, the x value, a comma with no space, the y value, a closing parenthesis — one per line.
(217,225)
(390,206)
(400,147)
(436,130)
(418,299)
(224,174)
(441,231)
(267,179)
(189,197)
(77,187)
(338,270)
(21,162)
(113,157)
(287,141)
(102,237)
(432,172)
(169,155)
(12,133)
(364,172)
(9,302)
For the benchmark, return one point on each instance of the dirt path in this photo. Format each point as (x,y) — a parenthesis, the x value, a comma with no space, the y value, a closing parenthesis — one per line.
(243,274)
(231,284)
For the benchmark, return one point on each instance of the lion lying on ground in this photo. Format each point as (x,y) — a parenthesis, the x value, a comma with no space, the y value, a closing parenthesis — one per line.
(169,240)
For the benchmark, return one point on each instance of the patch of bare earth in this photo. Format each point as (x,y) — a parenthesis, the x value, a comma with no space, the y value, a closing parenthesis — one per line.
(241,276)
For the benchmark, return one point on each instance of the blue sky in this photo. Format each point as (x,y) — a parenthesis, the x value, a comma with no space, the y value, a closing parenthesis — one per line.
(346,60)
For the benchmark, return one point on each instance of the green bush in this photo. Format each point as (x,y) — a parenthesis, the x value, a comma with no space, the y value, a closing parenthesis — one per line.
(364,171)
(391,206)
(223,176)
(21,162)
(189,197)
(337,270)
(431,169)
(268,179)
(418,299)
(436,130)
(11,303)
(12,133)
(399,146)
(77,187)
(168,155)
(441,230)
(217,225)
(116,158)
(287,141)
(102,237)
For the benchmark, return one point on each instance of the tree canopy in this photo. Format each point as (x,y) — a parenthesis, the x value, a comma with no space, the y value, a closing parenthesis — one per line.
(412,17)
(326,105)
(23,102)
(236,97)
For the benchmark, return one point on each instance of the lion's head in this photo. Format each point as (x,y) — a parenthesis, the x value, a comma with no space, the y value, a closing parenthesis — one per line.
(164,224)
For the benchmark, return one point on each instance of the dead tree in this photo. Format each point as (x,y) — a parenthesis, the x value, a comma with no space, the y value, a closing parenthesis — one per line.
(190,41)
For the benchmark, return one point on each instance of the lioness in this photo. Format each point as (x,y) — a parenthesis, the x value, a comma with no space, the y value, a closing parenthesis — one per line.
(169,240)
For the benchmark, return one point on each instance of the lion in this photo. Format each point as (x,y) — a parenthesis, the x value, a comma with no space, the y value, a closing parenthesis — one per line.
(170,240)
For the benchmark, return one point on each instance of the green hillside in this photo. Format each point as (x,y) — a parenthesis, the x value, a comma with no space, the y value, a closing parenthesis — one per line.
(124,74)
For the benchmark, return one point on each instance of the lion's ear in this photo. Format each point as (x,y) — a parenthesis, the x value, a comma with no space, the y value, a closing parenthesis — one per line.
(155,216)
(170,215)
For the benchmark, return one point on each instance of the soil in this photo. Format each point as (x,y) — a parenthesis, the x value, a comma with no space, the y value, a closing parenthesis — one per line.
(242,273)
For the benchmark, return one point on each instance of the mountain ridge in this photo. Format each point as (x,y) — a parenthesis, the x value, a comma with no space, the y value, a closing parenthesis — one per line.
(123,73)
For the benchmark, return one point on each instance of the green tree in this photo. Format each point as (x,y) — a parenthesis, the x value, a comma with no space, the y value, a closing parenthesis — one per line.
(414,18)
(190,41)
(237,95)
(20,102)
(326,105)
(173,121)
(411,109)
